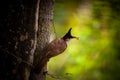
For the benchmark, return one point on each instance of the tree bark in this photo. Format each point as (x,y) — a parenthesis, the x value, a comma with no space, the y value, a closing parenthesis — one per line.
(24,32)
(45,22)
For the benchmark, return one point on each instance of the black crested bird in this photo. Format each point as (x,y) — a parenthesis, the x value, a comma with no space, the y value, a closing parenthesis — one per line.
(58,45)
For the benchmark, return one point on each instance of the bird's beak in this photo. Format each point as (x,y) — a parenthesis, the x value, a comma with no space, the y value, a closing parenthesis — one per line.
(77,38)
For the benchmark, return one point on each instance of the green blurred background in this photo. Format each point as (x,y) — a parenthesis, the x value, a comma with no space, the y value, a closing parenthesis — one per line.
(96,55)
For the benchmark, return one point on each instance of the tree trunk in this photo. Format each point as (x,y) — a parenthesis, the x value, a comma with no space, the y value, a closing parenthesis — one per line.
(24,33)
(45,22)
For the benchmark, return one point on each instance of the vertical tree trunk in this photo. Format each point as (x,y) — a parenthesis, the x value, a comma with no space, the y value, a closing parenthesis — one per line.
(20,22)
(45,22)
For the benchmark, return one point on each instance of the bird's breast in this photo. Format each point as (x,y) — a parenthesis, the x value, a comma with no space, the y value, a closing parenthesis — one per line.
(56,47)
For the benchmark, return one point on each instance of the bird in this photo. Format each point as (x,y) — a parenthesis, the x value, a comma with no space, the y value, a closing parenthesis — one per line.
(58,45)
(54,48)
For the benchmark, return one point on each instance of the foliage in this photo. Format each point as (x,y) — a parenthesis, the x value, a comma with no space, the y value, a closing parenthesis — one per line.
(95,56)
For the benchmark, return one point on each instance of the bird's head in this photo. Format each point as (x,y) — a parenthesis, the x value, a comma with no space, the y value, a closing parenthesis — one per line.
(68,36)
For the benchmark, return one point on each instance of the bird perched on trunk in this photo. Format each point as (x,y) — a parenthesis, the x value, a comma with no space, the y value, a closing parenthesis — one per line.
(58,45)
(54,48)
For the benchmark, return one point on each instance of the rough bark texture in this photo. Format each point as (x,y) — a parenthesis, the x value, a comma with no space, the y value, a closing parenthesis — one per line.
(45,21)
(19,33)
